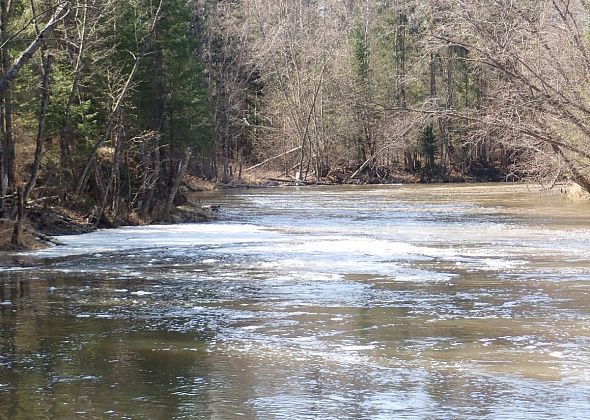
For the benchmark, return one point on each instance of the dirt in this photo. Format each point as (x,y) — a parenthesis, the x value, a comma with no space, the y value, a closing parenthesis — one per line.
(55,221)
(28,240)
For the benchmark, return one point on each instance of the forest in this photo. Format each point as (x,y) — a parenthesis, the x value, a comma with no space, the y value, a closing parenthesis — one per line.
(108,105)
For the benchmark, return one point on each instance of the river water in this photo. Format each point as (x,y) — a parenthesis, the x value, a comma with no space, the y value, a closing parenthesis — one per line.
(313,303)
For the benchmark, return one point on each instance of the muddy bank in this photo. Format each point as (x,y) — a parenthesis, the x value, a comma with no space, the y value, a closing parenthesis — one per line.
(42,224)
(575,192)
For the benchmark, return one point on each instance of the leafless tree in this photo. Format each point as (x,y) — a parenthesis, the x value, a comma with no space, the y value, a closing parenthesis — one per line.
(538,102)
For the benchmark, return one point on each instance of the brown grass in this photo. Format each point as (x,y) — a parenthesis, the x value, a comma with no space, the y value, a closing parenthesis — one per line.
(576,193)
(199,184)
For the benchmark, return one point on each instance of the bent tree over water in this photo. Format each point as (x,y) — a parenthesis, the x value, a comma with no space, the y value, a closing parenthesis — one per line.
(350,302)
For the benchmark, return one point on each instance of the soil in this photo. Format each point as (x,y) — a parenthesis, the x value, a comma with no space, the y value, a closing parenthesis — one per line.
(42,223)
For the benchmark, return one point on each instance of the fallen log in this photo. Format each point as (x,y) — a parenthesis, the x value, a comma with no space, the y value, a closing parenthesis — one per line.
(290,181)
(34,232)
(42,236)
(272,158)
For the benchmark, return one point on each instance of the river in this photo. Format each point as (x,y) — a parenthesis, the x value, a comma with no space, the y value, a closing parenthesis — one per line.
(383,302)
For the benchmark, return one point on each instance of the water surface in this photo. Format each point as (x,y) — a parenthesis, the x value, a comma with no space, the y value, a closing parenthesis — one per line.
(332,302)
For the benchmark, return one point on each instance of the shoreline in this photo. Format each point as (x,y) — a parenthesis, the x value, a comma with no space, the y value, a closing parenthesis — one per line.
(42,223)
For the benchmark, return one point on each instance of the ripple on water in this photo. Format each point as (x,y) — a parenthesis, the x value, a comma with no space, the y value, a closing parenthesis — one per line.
(408,301)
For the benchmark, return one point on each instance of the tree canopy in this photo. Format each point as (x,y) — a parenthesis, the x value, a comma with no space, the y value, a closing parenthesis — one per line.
(104,100)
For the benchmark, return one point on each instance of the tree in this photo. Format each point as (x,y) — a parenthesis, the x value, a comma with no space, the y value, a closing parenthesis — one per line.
(538,103)
(127,98)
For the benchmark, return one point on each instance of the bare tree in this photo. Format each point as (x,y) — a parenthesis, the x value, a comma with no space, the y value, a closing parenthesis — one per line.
(539,100)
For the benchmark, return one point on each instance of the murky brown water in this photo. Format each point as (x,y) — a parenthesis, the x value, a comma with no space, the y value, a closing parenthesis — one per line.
(373,302)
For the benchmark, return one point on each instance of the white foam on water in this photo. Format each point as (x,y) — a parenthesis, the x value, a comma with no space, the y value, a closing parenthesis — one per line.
(157,236)
(357,348)
(142,293)
(497,264)
(16,268)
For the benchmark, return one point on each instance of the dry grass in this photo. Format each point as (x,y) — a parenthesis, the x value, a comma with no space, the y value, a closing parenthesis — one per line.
(576,193)
(199,184)
(5,235)
(134,219)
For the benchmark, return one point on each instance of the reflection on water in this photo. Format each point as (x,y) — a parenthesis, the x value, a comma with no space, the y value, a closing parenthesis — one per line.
(375,302)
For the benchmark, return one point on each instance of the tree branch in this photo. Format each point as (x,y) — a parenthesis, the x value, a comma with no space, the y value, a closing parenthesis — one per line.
(60,13)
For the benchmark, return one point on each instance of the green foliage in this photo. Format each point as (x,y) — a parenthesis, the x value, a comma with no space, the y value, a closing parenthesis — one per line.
(85,124)
(172,96)
(126,97)
(360,50)
(426,145)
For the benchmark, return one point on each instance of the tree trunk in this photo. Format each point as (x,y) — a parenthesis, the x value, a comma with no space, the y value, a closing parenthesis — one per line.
(41,127)
(150,183)
(308,121)
(182,166)
(400,56)
(432,69)
(64,146)
(116,174)
(2,170)
(444,121)
(9,177)
(18,225)
(8,172)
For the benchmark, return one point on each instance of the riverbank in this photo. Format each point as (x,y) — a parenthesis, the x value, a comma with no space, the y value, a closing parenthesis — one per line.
(44,221)
(262,179)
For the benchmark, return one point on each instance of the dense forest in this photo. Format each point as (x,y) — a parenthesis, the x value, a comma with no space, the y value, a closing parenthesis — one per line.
(107,105)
